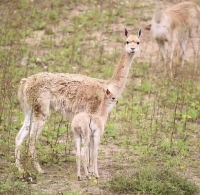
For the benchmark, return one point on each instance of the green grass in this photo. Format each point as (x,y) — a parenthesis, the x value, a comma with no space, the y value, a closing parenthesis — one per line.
(152,180)
(10,187)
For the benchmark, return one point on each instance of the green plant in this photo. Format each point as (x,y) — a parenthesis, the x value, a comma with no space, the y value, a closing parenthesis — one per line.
(152,180)
(14,187)
(39,25)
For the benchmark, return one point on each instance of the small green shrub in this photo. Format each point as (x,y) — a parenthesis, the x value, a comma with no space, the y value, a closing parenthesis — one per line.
(14,187)
(153,181)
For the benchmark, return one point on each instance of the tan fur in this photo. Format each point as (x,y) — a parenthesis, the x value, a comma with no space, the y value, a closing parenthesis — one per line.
(68,94)
(177,23)
(87,130)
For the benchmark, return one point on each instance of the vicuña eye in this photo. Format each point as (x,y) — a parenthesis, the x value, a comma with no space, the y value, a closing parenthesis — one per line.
(113,98)
(138,43)
(127,42)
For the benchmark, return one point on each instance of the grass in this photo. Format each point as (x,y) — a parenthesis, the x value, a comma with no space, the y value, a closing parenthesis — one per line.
(10,187)
(155,121)
(152,180)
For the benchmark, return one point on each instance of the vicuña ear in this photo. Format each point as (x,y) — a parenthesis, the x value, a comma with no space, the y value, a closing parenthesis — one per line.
(126,32)
(139,33)
(107,92)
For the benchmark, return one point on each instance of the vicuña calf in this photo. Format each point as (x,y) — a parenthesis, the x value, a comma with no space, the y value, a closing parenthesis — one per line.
(87,130)
(68,94)
(177,23)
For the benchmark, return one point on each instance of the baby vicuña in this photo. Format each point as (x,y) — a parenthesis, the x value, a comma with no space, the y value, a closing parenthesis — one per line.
(87,130)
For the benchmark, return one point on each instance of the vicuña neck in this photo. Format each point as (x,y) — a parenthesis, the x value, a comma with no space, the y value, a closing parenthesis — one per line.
(158,11)
(104,111)
(121,72)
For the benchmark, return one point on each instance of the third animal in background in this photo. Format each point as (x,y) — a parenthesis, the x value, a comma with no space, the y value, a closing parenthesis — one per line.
(178,23)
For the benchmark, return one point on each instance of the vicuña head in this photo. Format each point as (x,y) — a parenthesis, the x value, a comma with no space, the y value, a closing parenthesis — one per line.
(109,101)
(118,80)
(132,42)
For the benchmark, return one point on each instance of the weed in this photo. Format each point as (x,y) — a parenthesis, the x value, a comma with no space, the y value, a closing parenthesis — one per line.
(152,180)
(39,25)
(14,187)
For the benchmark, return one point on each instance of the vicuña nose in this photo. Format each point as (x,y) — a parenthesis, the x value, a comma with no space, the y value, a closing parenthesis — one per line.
(133,48)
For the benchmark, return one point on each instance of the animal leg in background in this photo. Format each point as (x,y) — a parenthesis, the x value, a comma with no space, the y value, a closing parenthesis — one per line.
(194,39)
(183,46)
(171,48)
(161,45)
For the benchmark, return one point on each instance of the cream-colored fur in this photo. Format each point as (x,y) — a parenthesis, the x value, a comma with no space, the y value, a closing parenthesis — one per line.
(68,94)
(176,24)
(87,130)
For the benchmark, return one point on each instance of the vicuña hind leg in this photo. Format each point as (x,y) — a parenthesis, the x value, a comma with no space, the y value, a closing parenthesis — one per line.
(24,131)
(36,128)
(78,156)
(183,46)
(195,48)
(161,45)
(91,154)
(40,114)
(171,48)
(95,155)
(195,39)
(84,153)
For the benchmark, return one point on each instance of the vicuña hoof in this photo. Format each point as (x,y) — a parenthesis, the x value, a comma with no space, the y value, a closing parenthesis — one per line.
(79,178)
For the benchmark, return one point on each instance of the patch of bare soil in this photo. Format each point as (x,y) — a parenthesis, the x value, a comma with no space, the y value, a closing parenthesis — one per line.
(62,178)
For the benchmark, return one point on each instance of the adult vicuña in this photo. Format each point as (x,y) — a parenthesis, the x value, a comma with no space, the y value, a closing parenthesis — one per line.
(87,130)
(177,23)
(67,93)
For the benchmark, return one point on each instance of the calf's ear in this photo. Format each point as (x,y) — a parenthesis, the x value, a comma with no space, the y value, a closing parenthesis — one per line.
(126,32)
(107,92)
(139,33)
